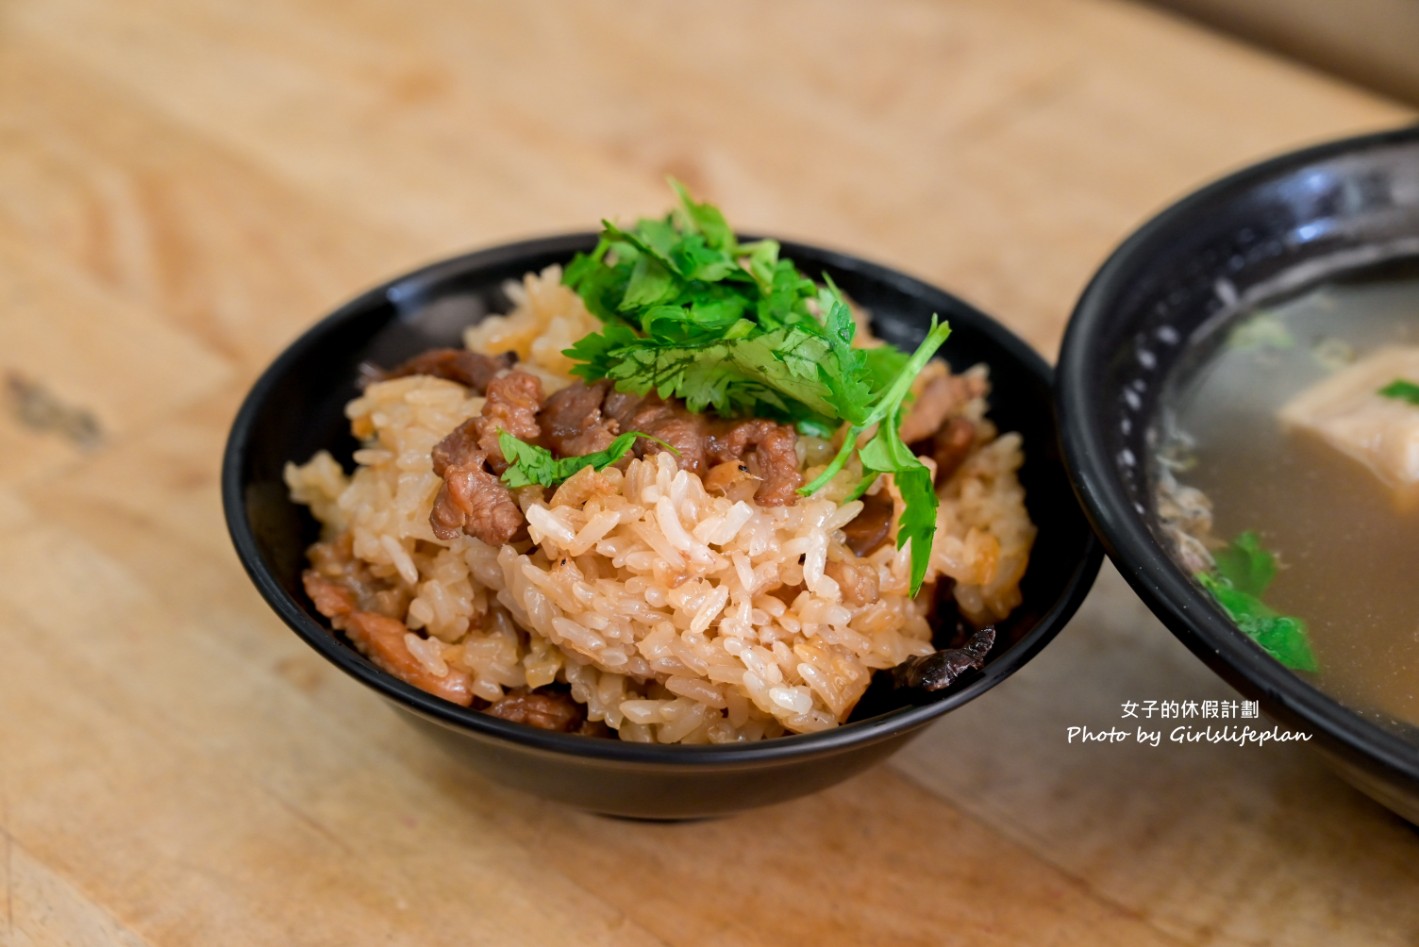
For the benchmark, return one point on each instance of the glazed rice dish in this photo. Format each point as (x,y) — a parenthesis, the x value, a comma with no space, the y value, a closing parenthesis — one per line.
(588,554)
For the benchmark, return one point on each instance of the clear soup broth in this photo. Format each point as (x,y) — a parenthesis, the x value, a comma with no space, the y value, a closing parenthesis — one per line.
(1347,550)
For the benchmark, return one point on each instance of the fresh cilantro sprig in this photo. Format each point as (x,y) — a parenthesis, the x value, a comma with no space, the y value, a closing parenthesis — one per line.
(884,452)
(1240,575)
(529,464)
(690,312)
(1402,390)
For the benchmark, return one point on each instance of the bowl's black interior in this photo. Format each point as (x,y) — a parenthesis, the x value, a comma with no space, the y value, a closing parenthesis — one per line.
(1257,235)
(296,408)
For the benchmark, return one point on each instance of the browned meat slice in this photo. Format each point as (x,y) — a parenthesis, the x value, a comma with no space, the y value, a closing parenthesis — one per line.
(367,610)
(582,419)
(667,420)
(458,449)
(545,710)
(475,502)
(770,448)
(472,499)
(472,369)
(945,395)
(870,528)
(620,405)
(937,425)
(381,638)
(774,458)
(512,405)
(573,422)
(331,598)
(338,583)
(951,445)
(681,430)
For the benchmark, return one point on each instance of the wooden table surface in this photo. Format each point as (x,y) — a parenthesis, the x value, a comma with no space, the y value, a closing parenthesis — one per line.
(187,184)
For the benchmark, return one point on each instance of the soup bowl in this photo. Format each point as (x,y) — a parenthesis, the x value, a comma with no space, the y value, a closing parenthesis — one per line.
(296,408)
(1261,234)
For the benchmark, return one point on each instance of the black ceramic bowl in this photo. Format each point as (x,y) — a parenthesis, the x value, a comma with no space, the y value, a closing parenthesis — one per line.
(296,407)
(1262,233)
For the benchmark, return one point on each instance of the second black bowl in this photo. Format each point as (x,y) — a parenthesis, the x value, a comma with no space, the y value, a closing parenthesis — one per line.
(1254,237)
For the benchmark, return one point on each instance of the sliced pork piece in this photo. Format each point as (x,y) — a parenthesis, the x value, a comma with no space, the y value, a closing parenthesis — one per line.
(473,501)
(383,640)
(951,445)
(337,582)
(943,396)
(770,449)
(546,710)
(513,402)
(367,610)
(573,422)
(471,369)
(668,421)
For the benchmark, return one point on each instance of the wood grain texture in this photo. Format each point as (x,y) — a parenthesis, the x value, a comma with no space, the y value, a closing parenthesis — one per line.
(186,184)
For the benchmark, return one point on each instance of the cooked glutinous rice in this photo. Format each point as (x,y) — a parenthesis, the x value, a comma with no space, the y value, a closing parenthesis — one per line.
(673,614)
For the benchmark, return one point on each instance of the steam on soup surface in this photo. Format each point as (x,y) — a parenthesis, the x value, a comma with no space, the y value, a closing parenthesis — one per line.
(1260,429)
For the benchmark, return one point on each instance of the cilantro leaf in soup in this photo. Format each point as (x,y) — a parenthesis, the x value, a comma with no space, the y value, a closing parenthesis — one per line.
(1240,575)
(1245,564)
(1261,331)
(1402,390)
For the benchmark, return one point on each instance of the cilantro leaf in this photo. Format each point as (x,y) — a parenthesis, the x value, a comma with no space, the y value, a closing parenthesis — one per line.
(688,312)
(761,261)
(1240,575)
(601,286)
(885,453)
(883,363)
(649,284)
(1402,390)
(1245,564)
(773,374)
(529,464)
(704,219)
(845,375)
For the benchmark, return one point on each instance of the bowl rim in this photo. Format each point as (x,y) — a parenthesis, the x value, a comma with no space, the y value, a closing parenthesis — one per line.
(474,723)
(1169,593)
